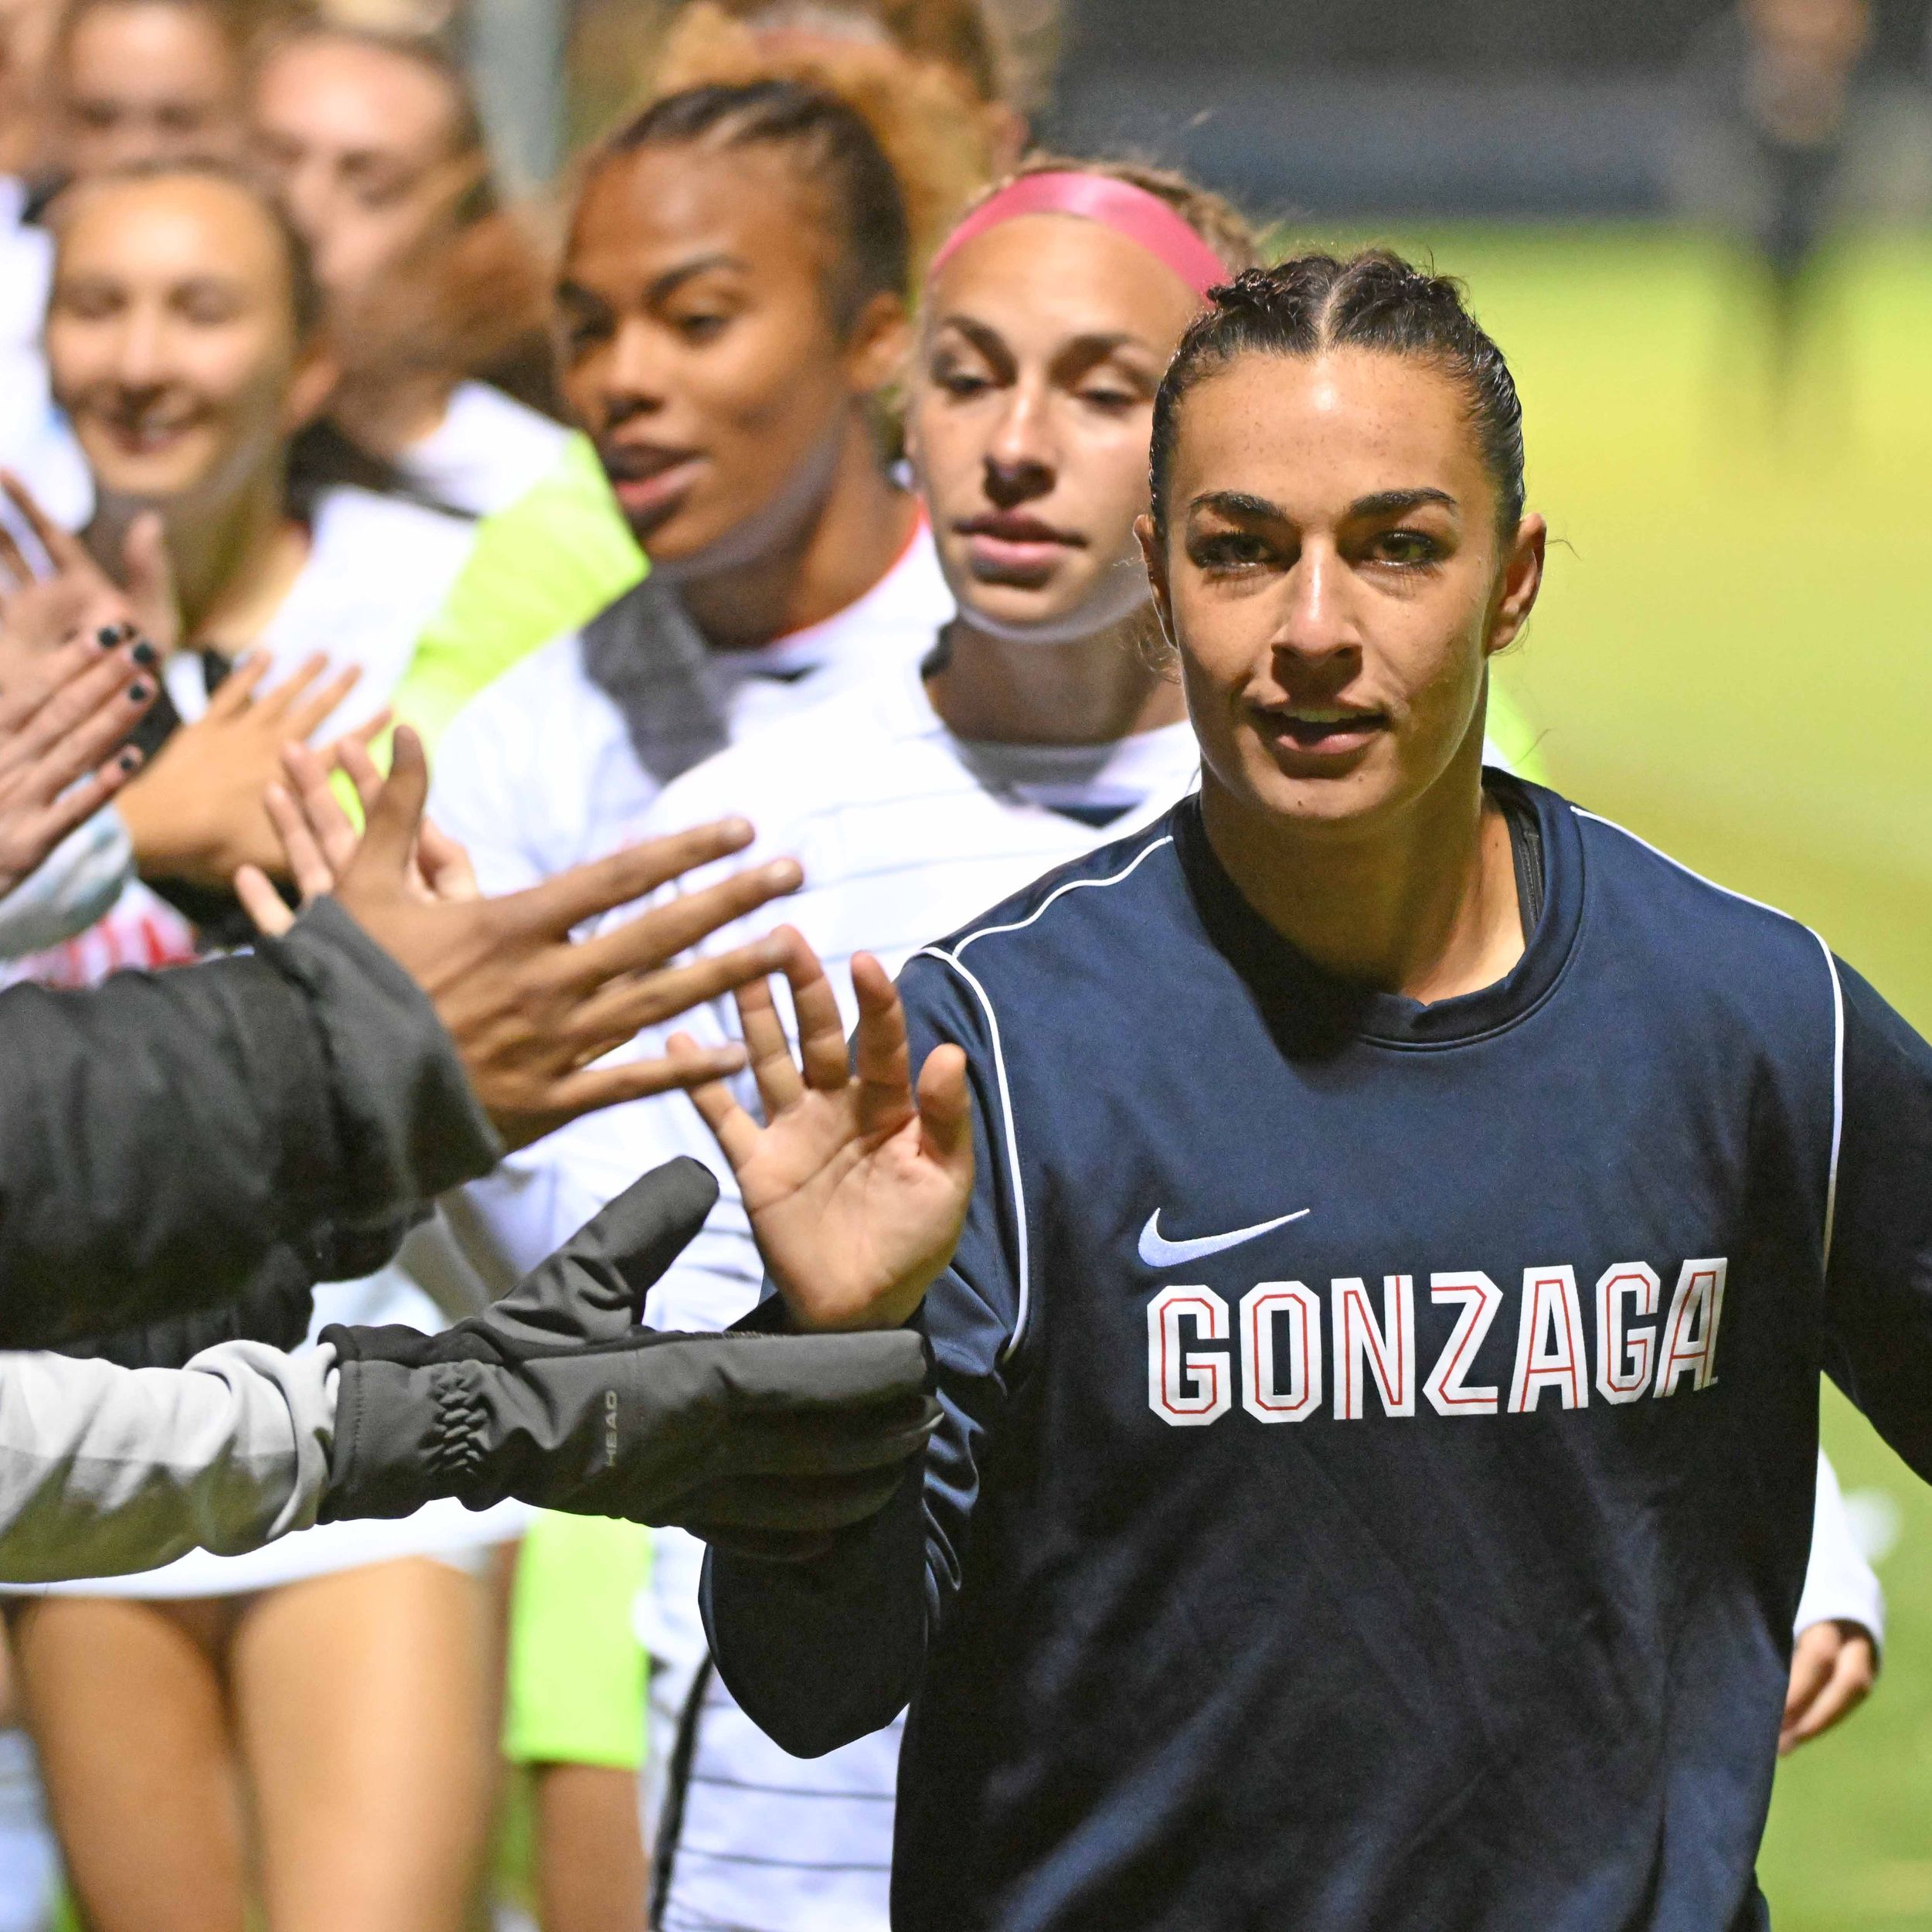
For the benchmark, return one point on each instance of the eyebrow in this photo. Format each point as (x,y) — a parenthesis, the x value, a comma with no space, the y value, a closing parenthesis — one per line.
(1383,503)
(1394,502)
(659,286)
(989,342)
(672,279)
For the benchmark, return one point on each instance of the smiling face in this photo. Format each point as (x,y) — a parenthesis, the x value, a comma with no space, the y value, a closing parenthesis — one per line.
(1045,341)
(699,347)
(148,80)
(362,144)
(172,338)
(1334,579)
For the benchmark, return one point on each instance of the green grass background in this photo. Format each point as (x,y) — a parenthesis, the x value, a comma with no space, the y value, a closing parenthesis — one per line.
(1733,657)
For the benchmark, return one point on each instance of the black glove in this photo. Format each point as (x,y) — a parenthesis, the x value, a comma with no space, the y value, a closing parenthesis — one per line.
(591,1289)
(768,1443)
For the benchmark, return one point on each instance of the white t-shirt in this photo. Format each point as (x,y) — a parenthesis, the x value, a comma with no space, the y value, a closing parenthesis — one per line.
(548,765)
(377,569)
(905,831)
(488,451)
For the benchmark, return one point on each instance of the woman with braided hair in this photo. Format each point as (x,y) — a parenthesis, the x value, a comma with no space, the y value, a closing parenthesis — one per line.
(1379,1229)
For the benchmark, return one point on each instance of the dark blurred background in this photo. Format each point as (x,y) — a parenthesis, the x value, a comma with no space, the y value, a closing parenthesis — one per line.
(1480,107)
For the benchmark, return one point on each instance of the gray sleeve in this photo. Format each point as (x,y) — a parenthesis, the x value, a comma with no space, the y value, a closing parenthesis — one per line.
(162,1133)
(104,1470)
(75,885)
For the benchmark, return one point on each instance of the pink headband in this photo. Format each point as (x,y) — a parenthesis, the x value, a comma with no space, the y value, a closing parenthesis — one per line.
(1142,218)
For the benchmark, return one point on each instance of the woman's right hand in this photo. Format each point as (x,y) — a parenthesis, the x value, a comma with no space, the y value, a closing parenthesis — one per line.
(39,613)
(320,842)
(857,1186)
(197,813)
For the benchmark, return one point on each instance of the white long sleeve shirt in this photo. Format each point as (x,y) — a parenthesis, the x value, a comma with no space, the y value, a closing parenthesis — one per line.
(105,1470)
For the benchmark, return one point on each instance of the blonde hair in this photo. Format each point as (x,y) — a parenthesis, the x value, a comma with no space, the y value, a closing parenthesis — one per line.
(939,140)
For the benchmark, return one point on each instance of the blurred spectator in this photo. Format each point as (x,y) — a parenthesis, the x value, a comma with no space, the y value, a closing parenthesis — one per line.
(148,80)
(377,147)
(1776,105)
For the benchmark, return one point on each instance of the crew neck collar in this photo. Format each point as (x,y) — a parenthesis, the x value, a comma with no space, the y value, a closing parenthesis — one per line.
(1313,1003)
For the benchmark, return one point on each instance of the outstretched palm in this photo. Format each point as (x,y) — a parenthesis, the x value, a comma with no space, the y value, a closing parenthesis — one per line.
(856,1187)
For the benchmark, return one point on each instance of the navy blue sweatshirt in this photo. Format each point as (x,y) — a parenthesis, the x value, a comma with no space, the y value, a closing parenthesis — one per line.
(1376,1480)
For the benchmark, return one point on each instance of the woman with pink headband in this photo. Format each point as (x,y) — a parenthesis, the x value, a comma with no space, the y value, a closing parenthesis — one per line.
(1036,727)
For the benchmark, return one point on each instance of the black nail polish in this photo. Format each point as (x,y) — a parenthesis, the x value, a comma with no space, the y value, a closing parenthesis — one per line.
(143,653)
(129,760)
(137,692)
(107,636)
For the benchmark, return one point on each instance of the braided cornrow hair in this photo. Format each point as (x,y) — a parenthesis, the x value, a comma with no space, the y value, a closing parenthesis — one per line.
(1311,304)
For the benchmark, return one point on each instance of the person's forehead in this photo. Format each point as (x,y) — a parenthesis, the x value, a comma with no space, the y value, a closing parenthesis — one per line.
(1051,277)
(641,214)
(1348,421)
(171,228)
(135,44)
(360,96)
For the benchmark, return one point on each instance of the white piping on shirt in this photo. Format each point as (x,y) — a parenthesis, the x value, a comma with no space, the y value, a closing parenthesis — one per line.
(1009,1132)
(1838,1009)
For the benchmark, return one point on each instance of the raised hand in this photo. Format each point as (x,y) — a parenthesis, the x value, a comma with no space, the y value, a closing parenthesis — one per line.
(199,813)
(61,722)
(40,612)
(856,1187)
(529,1010)
(318,839)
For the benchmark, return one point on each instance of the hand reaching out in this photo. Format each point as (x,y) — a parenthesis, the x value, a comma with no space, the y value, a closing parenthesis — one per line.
(39,613)
(531,1011)
(856,1187)
(198,813)
(60,722)
(319,841)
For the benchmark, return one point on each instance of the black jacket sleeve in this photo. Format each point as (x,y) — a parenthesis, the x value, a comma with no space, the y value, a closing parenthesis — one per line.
(162,1135)
(272,1306)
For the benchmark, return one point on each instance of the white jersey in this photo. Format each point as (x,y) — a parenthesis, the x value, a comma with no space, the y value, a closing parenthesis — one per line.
(551,763)
(904,831)
(377,569)
(488,451)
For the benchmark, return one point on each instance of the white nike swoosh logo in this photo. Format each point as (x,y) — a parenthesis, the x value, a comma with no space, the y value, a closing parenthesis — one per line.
(1159,1253)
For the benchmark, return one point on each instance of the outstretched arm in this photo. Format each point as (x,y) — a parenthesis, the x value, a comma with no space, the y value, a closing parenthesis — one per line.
(553,1395)
(823,1651)
(104,1470)
(160,1134)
